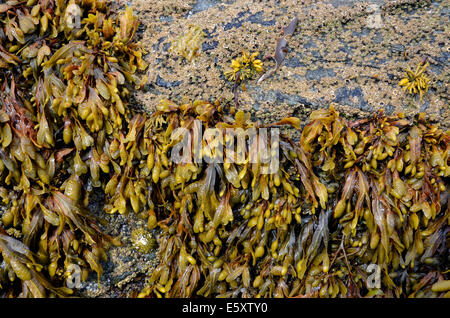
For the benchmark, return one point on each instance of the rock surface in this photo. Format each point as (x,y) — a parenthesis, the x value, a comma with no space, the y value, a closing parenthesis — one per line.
(349,53)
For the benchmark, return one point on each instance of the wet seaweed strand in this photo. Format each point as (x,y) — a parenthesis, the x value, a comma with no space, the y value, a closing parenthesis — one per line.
(66,70)
(348,194)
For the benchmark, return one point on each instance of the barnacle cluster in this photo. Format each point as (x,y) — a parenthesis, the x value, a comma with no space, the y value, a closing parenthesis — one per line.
(416,82)
(188,44)
(348,195)
(142,240)
(245,67)
(66,68)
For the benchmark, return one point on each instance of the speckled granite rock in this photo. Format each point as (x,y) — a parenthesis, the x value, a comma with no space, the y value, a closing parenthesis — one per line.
(350,53)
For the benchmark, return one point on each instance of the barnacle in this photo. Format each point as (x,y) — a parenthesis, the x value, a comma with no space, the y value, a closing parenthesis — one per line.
(416,82)
(143,240)
(188,44)
(247,66)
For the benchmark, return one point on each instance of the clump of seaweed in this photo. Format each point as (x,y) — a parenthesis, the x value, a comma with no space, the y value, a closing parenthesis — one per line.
(244,67)
(280,49)
(349,194)
(66,69)
(188,44)
(416,82)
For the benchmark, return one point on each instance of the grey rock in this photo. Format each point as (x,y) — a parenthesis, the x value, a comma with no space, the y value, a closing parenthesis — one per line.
(316,54)
(236,22)
(163,83)
(346,96)
(293,62)
(279,97)
(397,48)
(319,73)
(258,18)
(378,37)
(202,5)
(206,46)
(350,3)
(158,44)
(166,18)
(389,109)
(166,47)
(310,44)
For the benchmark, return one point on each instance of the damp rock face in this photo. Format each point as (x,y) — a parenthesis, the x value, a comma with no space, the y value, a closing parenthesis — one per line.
(349,53)
(127,265)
